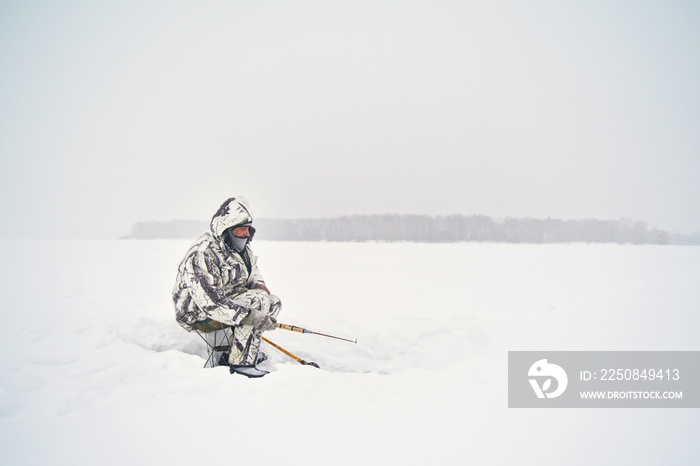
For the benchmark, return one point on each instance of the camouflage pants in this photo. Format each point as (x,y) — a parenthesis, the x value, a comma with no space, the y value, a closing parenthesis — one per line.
(245,341)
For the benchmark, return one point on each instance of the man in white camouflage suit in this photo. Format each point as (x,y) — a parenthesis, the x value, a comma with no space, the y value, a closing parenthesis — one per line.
(219,285)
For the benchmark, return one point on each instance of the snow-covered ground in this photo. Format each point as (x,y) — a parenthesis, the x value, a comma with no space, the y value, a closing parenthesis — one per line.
(94,369)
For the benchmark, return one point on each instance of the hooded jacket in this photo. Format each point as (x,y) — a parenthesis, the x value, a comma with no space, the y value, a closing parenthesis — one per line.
(212,274)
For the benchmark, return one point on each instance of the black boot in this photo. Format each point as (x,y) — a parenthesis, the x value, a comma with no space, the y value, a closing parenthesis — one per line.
(223,360)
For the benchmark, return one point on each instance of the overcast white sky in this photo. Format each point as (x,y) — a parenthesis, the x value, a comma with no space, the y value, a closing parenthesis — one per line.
(124,111)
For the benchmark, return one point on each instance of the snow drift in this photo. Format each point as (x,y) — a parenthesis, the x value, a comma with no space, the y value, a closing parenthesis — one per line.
(95,370)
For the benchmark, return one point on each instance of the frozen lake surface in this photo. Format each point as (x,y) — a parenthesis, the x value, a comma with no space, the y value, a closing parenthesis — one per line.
(94,369)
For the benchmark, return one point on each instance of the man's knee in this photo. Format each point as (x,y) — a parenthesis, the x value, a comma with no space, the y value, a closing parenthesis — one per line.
(275,305)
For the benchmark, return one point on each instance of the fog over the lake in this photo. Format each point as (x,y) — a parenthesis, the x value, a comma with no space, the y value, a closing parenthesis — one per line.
(120,112)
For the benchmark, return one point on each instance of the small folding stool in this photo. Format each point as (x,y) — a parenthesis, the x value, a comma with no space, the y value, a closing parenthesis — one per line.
(217,337)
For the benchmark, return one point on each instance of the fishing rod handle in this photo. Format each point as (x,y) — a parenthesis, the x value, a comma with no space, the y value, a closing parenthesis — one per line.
(291,328)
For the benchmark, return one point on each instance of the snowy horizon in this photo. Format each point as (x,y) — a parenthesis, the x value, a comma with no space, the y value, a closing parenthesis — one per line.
(426,228)
(195,227)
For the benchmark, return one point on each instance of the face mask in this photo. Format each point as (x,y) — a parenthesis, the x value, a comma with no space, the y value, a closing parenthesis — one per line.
(237,243)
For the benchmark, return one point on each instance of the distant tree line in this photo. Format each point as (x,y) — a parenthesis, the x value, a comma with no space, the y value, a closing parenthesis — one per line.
(454,228)
(425,228)
(685,239)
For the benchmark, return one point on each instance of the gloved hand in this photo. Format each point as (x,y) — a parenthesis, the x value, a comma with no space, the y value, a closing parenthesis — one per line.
(260,320)
(262,286)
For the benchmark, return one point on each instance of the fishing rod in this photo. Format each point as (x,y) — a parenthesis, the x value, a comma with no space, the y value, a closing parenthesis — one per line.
(296,358)
(294,328)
